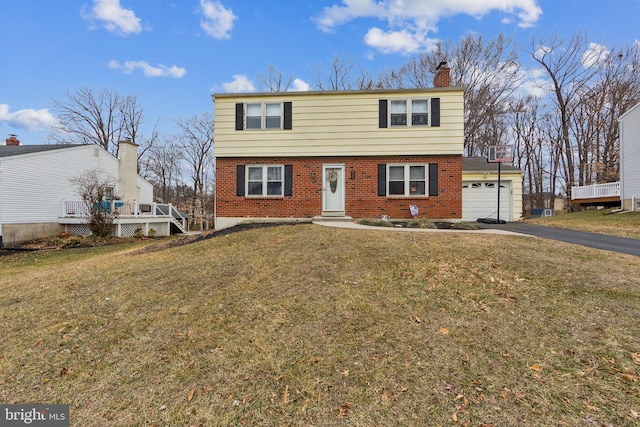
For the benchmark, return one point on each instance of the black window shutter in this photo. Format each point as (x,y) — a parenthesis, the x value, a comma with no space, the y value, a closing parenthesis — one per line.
(288,180)
(287,124)
(240,180)
(239,116)
(433,179)
(382,180)
(435,112)
(382,113)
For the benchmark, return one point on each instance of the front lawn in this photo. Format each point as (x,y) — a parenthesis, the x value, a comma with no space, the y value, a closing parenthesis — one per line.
(307,325)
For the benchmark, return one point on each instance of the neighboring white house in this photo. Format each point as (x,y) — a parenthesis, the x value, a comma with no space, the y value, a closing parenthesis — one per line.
(630,159)
(38,196)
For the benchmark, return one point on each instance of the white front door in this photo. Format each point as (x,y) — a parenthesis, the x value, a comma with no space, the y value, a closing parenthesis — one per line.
(333,190)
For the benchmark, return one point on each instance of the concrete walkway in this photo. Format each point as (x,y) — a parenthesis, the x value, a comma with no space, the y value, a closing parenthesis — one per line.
(347,222)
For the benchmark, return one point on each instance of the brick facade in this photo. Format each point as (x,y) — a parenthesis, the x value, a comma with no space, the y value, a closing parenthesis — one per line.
(361,189)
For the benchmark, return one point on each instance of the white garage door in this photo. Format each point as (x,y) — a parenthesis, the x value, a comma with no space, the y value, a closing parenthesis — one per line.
(480,200)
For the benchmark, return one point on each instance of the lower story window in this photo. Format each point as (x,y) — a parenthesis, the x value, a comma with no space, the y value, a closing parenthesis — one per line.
(265,180)
(407,180)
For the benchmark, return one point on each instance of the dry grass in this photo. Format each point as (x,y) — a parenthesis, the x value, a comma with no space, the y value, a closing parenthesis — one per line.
(625,224)
(307,325)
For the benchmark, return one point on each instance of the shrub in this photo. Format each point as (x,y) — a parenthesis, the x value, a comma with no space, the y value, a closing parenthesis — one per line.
(73,242)
(138,232)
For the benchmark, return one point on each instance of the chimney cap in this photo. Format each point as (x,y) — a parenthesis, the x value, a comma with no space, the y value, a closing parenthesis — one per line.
(442,64)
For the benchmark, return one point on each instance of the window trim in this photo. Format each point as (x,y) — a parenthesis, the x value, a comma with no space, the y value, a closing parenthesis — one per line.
(265,181)
(407,180)
(409,107)
(263,115)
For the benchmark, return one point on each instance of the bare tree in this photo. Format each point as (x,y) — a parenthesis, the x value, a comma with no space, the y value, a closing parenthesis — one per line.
(96,190)
(617,89)
(273,80)
(162,164)
(102,118)
(196,142)
(338,77)
(490,73)
(566,66)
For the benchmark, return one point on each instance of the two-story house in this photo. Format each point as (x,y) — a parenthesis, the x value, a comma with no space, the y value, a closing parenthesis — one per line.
(292,156)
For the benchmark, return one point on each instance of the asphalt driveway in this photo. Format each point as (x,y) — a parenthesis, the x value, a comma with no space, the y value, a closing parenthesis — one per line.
(592,240)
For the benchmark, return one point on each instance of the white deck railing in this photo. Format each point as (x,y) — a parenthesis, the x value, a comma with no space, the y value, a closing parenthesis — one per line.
(78,209)
(611,189)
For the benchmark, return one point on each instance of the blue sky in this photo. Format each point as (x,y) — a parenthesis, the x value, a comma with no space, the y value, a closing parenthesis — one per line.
(172,55)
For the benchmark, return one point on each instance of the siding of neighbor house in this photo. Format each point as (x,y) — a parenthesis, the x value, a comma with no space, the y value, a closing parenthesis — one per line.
(630,157)
(35,185)
(343,128)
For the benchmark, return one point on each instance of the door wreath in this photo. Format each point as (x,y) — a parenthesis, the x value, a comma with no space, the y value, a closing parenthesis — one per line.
(332,177)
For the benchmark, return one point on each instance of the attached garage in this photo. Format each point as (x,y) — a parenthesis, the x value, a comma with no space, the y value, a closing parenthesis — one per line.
(480,200)
(480,190)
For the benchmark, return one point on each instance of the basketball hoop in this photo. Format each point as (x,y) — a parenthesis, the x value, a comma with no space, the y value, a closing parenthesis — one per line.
(500,154)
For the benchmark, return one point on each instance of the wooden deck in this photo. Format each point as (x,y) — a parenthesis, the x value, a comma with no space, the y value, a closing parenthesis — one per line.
(596,195)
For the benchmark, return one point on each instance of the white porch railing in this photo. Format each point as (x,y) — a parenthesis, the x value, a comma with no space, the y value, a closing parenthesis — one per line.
(78,209)
(611,189)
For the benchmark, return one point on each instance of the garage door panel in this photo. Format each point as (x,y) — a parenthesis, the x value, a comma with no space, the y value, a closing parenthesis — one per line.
(480,200)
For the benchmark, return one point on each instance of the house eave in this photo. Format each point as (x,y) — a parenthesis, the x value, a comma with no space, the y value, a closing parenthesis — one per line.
(394,92)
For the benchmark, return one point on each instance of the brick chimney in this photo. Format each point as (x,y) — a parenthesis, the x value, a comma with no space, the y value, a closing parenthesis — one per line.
(442,77)
(12,140)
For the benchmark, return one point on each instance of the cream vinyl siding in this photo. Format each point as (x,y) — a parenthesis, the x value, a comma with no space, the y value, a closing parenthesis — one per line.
(340,124)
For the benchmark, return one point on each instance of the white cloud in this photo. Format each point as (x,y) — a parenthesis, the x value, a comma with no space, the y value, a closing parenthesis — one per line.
(535,82)
(595,55)
(337,15)
(403,42)
(218,21)
(409,21)
(160,70)
(239,84)
(29,119)
(300,85)
(116,18)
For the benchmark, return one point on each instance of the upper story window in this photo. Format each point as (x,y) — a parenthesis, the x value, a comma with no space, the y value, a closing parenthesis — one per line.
(409,112)
(264,116)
